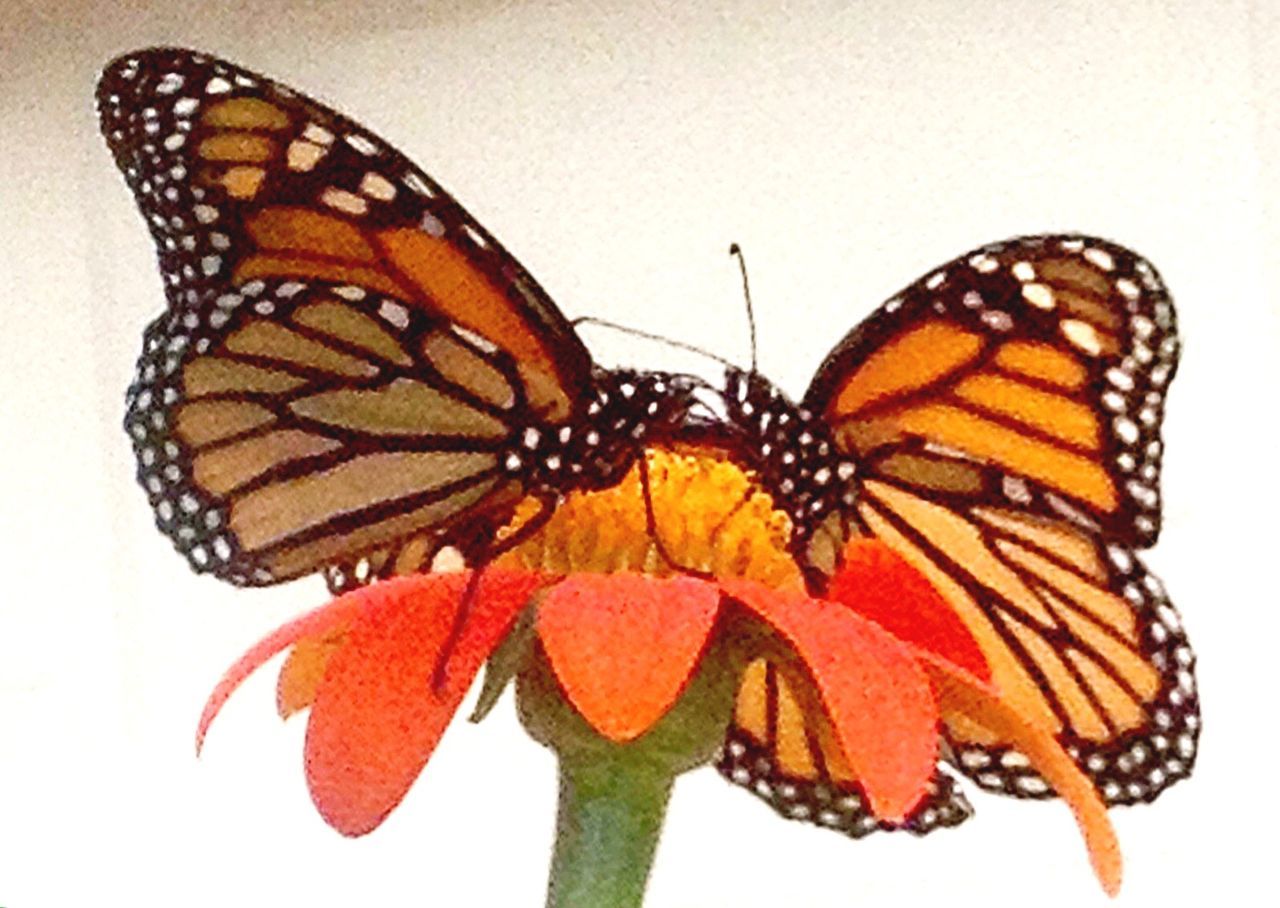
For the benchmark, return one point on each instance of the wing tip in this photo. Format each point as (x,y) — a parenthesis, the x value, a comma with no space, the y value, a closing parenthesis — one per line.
(135,73)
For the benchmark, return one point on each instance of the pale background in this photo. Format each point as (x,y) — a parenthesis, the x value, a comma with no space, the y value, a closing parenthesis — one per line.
(617,148)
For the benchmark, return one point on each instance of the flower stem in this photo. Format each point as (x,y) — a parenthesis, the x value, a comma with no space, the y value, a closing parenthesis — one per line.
(611,812)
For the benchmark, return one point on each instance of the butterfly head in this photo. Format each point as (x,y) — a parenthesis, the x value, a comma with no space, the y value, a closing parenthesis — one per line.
(757,410)
(791,449)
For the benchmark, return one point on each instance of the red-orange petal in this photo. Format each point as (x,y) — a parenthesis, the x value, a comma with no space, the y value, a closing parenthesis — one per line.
(623,645)
(977,700)
(392,688)
(325,620)
(876,694)
(879,584)
(303,671)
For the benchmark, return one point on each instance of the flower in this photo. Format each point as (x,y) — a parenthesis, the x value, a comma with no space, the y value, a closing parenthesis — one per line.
(624,623)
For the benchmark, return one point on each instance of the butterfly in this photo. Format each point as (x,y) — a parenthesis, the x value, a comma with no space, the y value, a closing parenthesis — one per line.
(997,424)
(351,374)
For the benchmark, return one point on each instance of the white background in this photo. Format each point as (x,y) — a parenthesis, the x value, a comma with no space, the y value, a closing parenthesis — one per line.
(618,148)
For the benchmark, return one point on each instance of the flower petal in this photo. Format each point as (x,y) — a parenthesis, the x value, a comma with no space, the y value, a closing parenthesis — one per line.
(879,584)
(303,671)
(325,620)
(623,645)
(961,693)
(875,581)
(392,688)
(877,696)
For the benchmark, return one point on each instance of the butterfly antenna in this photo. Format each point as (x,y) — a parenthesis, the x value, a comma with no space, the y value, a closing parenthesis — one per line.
(736,251)
(647,335)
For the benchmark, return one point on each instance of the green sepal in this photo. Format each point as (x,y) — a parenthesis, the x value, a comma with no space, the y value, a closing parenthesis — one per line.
(509,659)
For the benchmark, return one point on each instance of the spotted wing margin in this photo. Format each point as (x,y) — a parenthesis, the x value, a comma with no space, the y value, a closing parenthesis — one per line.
(435,551)
(242,179)
(780,749)
(287,425)
(1078,634)
(1045,356)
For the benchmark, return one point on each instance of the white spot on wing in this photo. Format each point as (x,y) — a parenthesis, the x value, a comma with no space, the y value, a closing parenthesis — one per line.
(376,186)
(1039,295)
(318,134)
(432,225)
(344,201)
(170,83)
(1100,257)
(395,314)
(361,144)
(1082,335)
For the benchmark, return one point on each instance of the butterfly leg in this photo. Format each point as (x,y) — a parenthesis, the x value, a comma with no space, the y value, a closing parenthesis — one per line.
(482,553)
(651,526)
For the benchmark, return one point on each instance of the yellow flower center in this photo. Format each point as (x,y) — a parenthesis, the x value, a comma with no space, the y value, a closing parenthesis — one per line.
(709,516)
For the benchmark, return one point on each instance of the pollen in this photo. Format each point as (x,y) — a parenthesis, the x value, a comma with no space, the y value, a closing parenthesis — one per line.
(710,516)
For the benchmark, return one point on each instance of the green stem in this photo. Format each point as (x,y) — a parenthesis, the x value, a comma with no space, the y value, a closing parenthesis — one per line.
(611,812)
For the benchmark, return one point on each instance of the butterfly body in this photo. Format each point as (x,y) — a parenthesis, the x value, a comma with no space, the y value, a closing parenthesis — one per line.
(628,409)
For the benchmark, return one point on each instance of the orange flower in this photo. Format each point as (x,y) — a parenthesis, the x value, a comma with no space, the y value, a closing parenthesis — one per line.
(622,647)
(623,631)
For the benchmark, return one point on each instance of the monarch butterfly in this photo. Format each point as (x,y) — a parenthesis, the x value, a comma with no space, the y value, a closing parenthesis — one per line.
(997,424)
(351,372)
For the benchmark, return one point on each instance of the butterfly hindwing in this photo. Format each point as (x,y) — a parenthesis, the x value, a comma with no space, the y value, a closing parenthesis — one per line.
(1078,634)
(285,426)
(779,749)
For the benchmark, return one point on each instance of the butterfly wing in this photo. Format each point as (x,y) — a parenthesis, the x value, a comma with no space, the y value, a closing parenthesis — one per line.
(345,352)
(274,444)
(1004,415)
(1046,356)
(780,749)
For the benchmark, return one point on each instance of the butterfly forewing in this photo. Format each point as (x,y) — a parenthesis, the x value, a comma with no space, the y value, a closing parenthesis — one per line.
(240,178)
(1046,356)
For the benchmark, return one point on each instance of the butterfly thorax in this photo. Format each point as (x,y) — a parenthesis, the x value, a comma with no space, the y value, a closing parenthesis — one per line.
(628,409)
(791,451)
